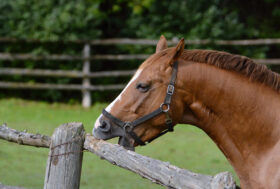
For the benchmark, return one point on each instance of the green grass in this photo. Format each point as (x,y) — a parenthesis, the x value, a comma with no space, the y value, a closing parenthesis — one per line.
(187,147)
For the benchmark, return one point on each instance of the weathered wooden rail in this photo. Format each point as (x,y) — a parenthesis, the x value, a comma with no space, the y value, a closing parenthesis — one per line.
(150,42)
(86,57)
(118,57)
(64,163)
(2,186)
(63,73)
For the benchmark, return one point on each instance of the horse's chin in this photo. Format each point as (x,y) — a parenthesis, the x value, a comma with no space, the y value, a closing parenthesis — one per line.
(127,143)
(124,140)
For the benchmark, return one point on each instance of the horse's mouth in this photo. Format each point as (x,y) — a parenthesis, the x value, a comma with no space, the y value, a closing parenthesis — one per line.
(124,140)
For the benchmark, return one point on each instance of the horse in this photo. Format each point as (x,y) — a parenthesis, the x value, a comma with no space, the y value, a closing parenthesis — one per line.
(231,98)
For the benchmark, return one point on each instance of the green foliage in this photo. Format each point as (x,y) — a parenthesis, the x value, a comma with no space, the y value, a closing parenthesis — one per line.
(50,20)
(91,19)
(188,18)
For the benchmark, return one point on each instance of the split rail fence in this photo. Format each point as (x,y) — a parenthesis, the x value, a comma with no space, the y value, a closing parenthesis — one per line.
(86,57)
(63,169)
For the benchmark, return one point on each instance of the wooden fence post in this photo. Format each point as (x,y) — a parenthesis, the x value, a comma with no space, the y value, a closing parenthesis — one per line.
(64,163)
(86,102)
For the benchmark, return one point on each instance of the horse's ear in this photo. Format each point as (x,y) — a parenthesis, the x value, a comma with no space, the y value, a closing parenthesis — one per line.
(177,51)
(162,44)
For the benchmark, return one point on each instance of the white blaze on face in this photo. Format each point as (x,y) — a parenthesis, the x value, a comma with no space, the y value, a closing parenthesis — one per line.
(108,109)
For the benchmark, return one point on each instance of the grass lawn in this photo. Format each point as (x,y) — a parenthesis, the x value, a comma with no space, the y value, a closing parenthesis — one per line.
(187,147)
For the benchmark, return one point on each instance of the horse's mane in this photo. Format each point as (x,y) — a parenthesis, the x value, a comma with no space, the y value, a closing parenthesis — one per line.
(241,64)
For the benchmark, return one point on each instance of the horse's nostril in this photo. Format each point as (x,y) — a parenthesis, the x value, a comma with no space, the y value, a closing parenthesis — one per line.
(105,126)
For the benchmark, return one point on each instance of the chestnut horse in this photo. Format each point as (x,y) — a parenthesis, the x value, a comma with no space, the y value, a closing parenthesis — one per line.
(231,98)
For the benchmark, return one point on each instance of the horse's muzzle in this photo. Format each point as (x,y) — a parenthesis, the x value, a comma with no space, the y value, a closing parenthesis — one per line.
(107,130)
(105,126)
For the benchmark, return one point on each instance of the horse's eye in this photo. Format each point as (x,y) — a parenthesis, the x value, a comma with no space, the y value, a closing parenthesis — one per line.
(143,87)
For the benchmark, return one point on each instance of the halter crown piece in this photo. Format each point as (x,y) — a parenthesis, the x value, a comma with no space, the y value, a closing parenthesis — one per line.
(128,126)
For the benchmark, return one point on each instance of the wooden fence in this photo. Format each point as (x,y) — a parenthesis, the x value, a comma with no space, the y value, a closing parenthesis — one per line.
(64,162)
(86,57)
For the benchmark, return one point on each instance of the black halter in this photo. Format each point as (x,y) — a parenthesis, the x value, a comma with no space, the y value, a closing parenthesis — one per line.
(128,126)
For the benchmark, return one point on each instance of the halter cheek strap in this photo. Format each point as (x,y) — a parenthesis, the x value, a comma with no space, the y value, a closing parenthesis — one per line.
(128,127)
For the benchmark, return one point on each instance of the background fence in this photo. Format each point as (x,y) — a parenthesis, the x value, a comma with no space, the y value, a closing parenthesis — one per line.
(87,58)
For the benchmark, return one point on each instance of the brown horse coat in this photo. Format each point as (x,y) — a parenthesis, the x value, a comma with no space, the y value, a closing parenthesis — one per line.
(234,100)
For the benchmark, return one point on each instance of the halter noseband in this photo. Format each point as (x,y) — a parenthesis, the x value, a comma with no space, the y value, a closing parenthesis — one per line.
(128,126)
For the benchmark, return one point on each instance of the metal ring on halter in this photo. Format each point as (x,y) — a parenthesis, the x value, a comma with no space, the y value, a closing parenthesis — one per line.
(162,109)
(127,127)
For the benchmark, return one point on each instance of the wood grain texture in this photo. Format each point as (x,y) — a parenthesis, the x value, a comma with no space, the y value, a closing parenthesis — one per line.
(162,173)
(22,137)
(2,186)
(64,163)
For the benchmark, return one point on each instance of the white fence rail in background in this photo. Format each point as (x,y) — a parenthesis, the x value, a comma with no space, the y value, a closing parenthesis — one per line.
(86,57)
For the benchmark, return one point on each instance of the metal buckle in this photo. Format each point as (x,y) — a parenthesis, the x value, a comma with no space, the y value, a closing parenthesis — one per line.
(162,107)
(170,89)
(127,127)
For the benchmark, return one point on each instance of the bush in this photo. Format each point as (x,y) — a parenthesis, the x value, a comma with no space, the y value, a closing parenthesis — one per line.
(92,19)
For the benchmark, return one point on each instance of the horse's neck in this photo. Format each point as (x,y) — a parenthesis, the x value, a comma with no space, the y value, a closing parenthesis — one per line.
(242,117)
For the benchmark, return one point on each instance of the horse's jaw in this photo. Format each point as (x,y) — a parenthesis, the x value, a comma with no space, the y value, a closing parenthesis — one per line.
(127,143)
(124,140)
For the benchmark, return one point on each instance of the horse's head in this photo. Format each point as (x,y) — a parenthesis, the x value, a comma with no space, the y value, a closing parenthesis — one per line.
(143,110)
